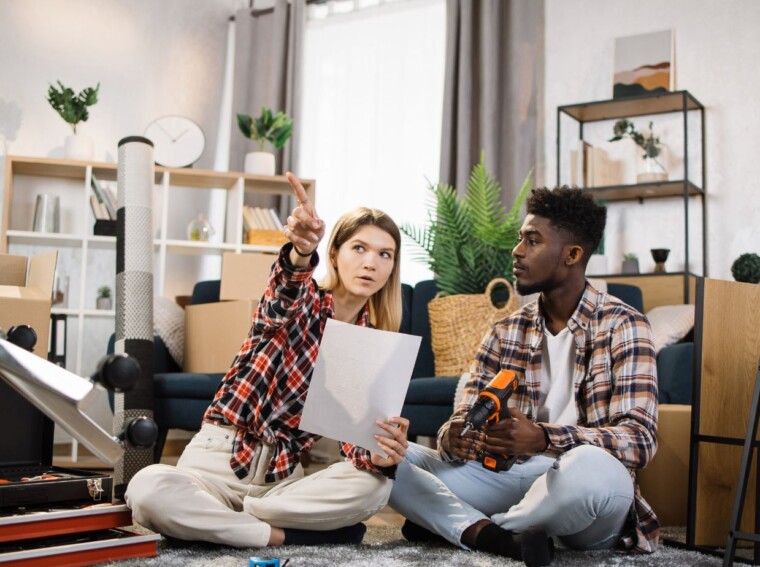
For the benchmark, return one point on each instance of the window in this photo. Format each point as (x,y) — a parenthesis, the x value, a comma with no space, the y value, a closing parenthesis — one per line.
(372,112)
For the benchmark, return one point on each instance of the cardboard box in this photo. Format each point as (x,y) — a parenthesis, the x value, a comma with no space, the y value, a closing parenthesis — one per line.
(665,482)
(214,332)
(25,296)
(245,276)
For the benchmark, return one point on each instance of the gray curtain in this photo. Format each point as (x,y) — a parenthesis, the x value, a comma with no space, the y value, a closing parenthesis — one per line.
(267,66)
(492,89)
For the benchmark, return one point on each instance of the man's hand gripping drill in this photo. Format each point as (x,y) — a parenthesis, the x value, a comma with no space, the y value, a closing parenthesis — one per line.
(491,407)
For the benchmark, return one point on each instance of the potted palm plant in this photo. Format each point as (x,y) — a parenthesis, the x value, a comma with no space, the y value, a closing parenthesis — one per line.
(468,245)
(72,107)
(274,129)
(469,240)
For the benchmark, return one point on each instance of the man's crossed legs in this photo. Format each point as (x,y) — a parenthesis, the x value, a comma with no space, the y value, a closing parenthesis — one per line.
(583,498)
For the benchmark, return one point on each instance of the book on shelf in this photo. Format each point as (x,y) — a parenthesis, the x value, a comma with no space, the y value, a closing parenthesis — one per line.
(581,165)
(275,219)
(110,196)
(258,218)
(262,218)
(604,170)
(98,209)
(248,221)
(100,194)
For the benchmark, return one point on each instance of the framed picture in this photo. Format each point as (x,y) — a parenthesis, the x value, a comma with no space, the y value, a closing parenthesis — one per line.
(643,64)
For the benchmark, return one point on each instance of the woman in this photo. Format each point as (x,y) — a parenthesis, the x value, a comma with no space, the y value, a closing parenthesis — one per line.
(239,481)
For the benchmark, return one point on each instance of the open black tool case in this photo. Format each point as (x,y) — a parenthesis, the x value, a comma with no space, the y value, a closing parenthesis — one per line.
(26,451)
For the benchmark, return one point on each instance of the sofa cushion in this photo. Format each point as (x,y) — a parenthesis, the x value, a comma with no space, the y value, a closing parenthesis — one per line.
(424,291)
(406,309)
(670,324)
(169,324)
(186,385)
(675,370)
(432,391)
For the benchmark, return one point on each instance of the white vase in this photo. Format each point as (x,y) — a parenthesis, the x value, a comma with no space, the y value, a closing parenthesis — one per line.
(650,170)
(259,163)
(78,147)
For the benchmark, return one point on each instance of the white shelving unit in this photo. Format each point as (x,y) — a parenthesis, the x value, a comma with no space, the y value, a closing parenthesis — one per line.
(27,177)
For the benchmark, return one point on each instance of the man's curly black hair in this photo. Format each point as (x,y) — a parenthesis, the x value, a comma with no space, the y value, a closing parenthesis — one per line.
(573,211)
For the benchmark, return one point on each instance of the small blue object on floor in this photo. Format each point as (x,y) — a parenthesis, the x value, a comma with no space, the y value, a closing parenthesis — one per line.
(264,562)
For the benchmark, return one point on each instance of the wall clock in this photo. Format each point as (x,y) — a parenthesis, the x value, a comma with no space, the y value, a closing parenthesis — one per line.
(178,141)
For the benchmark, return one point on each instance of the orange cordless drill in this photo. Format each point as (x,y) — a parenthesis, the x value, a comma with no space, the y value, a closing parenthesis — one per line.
(491,405)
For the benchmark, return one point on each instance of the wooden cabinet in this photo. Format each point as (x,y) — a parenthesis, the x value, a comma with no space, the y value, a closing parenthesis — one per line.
(91,258)
(673,287)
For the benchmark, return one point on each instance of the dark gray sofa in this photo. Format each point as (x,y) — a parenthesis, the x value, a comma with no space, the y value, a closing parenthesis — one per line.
(181,398)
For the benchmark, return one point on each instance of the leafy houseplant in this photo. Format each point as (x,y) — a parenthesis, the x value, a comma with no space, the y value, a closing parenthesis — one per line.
(630,263)
(72,107)
(268,127)
(746,268)
(648,142)
(103,300)
(469,240)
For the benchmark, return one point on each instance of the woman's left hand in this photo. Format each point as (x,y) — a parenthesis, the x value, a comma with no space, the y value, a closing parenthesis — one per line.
(395,446)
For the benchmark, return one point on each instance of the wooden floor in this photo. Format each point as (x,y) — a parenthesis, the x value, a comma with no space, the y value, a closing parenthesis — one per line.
(63,458)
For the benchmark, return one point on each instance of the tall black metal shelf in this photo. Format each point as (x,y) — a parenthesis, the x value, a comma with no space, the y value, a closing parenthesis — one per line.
(681,102)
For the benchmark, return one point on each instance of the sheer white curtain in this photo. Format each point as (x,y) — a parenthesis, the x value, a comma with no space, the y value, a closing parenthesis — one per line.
(372,110)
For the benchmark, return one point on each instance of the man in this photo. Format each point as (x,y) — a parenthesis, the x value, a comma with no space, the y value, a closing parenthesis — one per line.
(582,420)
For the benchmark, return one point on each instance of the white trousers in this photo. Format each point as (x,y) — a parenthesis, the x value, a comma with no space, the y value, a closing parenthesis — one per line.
(583,497)
(201,499)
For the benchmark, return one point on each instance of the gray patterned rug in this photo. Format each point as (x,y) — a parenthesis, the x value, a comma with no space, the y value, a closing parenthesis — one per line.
(385,547)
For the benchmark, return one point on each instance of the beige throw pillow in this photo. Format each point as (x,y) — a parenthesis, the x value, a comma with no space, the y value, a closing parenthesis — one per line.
(670,323)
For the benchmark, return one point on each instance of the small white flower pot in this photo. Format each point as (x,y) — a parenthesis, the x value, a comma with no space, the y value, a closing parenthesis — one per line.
(78,147)
(104,303)
(631,266)
(259,163)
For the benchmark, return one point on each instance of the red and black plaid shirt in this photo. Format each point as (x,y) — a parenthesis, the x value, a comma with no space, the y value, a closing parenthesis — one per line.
(263,392)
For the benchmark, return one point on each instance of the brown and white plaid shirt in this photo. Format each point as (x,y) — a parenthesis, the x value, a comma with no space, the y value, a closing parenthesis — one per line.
(615,380)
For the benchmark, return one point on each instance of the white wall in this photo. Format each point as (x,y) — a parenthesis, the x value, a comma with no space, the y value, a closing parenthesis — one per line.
(717,49)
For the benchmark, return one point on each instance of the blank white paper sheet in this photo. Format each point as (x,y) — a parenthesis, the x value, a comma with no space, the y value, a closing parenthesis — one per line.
(361,375)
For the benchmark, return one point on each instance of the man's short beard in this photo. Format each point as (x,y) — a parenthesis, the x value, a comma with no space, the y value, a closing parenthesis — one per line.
(530,289)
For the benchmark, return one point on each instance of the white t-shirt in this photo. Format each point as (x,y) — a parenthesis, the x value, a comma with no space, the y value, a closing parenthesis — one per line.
(557,399)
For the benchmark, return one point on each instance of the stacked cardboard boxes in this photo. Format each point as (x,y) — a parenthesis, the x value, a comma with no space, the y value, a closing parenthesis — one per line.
(214,332)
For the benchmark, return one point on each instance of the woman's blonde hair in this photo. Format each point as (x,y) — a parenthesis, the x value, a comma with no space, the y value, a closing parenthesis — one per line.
(385,305)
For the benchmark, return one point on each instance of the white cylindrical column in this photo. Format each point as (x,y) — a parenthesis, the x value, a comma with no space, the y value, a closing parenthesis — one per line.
(134,294)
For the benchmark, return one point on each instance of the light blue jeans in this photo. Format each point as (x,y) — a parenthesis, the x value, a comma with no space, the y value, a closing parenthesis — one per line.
(583,497)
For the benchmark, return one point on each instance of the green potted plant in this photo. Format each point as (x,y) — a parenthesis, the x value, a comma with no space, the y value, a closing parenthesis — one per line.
(652,169)
(746,268)
(468,241)
(268,127)
(103,300)
(72,107)
(630,263)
